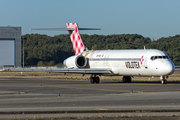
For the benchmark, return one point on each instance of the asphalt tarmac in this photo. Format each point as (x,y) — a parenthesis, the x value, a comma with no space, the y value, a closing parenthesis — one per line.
(61,98)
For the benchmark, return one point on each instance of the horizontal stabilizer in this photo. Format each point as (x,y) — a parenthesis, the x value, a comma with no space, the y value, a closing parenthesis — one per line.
(75,37)
(68,29)
(53,29)
(89,29)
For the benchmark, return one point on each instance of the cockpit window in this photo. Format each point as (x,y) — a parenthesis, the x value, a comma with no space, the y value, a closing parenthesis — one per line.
(159,57)
(152,58)
(155,57)
(164,57)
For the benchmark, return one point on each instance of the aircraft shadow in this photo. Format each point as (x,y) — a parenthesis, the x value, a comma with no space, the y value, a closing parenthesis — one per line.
(153,82)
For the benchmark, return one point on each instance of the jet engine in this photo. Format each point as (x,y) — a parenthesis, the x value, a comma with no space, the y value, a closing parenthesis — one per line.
(81,61)
(75,62)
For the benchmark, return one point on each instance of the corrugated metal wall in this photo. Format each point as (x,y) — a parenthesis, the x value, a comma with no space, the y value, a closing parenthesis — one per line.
(14,34)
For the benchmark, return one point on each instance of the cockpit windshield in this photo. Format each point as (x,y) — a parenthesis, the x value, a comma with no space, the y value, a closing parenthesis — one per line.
(159,57)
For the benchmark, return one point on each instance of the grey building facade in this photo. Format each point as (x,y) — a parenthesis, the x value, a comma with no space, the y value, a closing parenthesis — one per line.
(10,46)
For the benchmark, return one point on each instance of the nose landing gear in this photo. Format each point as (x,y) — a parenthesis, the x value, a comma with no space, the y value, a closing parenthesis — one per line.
(164,82)
(163,79)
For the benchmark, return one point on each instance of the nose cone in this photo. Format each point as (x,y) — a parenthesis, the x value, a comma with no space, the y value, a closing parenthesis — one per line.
(169,68)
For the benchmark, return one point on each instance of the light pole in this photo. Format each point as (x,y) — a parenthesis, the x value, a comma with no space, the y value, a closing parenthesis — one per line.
(23,52)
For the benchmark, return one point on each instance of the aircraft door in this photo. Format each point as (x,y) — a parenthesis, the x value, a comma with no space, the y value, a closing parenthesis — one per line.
(145,63)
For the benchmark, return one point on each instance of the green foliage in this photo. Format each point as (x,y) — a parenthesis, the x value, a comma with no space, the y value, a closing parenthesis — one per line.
(60,65)
(51,63)
(94,47)
(45,48)
(40,63)
(170,45)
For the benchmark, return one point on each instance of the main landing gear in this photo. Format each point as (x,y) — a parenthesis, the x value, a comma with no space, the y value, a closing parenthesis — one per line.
(94,79)
(126,79)
(164,81)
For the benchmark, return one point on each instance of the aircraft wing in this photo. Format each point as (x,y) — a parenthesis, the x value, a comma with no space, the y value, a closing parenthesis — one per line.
(62,70)
(176,67)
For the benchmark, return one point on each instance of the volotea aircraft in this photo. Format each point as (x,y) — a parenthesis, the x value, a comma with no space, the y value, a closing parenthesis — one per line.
(126,63)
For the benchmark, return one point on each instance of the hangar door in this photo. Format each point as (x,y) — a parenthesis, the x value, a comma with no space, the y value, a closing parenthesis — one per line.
(7,52)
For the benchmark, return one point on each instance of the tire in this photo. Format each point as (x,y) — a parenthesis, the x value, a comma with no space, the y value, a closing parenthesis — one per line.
(124,79)
(92,80)
(97,79)
(128,79)
(163,82)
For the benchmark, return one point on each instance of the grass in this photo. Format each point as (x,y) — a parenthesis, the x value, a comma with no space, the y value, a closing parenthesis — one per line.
(18,74)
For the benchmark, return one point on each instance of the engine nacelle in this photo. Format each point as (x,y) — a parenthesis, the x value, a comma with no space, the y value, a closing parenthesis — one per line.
(81,61)
(75,62)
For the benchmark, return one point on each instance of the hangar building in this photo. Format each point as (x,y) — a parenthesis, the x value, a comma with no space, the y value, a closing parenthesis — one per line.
(10,46)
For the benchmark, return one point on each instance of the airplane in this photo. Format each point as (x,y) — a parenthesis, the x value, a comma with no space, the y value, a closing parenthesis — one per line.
(127,63)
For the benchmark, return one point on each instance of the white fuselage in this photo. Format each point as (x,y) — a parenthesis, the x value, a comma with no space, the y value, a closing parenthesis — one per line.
(128,62)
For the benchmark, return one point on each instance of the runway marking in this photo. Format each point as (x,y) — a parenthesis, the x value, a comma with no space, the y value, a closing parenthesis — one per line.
(75,87)
(150,92)
(118,91)
(62,86)
(119,84)
(101,109)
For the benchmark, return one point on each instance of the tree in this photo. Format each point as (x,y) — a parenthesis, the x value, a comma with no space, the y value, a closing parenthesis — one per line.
(40,63)
(51,63)
(94,47)
(45,48)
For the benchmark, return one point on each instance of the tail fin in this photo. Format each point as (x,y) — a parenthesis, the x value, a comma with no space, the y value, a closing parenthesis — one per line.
(75,37)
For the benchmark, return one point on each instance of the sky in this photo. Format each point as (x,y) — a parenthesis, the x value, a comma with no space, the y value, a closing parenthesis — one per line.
(150,18)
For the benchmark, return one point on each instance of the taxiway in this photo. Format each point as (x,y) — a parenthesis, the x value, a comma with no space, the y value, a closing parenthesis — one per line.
(28,98)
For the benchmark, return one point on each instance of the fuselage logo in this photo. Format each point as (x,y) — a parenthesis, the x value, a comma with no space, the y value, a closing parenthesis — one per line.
(142,60)
(100,55)
(133,65)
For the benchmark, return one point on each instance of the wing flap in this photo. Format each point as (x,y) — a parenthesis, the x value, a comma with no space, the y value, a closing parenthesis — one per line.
(83,71)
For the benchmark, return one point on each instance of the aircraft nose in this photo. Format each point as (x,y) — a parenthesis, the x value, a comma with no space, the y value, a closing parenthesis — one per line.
(169,68)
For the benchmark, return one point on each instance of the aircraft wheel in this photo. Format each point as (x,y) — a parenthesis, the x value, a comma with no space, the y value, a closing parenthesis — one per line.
(124,79)
(164,82)
(92,80)
(128,79)
(97,79)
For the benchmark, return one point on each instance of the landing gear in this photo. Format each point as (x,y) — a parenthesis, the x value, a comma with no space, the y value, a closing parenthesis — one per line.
(126,79)
(94,79)
(164,81)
